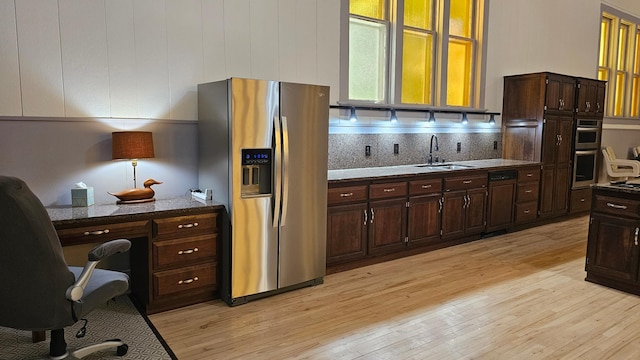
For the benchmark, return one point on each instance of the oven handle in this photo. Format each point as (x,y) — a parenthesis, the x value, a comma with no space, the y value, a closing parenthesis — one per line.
(592,129)
(586,152)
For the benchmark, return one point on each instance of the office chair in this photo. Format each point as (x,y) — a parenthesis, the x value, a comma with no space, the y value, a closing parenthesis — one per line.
(620,169)
(39,291)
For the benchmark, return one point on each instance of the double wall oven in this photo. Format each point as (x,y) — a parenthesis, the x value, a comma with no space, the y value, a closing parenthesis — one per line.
(587,145)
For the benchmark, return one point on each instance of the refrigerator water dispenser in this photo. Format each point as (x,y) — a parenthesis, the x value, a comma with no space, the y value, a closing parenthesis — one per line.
(256,172)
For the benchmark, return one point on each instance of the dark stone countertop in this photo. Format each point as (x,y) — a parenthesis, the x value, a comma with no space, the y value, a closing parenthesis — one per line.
(67,214)
(416,169)
(634,188)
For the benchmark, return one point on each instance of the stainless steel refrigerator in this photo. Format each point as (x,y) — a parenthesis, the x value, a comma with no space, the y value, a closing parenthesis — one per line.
(263,152)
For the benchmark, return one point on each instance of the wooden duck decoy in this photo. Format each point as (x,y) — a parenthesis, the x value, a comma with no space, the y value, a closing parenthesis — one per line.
(132,196)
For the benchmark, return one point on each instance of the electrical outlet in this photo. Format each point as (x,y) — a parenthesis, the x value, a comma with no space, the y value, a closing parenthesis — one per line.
(396,149)
(367,150)
(495,145)
(458,147)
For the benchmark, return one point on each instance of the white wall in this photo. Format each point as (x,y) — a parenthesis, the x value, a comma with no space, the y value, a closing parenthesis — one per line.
(144,58)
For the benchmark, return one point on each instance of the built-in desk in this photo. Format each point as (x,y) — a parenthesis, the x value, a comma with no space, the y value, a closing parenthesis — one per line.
(174,245)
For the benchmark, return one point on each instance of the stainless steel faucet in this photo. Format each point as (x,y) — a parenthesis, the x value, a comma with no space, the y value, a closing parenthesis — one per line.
(431,149)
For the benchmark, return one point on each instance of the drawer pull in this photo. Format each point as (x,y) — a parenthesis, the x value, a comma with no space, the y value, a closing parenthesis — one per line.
(189,251)
(529,174)
(389,190)
(346,194)
(582,200)
(187,226)
(528,191)
(426,186)
(97,232)
(188,281)
(615,206)
(527,211)
(467,182)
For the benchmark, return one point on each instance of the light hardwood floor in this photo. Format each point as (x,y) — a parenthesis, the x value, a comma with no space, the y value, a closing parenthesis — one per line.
(516,296)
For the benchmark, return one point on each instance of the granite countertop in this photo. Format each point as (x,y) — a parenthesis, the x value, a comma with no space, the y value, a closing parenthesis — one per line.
(67,214)
(416,169)
(632,188)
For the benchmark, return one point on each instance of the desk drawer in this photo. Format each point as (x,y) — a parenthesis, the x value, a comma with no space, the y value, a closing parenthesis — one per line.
(103,233)
(181,226)
(526,211)
(529,174)
(617,206)
(199,277)
(184,251)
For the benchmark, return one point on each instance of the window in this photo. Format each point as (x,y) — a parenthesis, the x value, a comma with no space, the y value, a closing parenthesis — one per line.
(424,52)
(619,62)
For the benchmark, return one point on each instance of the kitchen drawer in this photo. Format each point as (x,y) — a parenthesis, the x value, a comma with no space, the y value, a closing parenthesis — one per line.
(103,233)
(424,187)
(465,182)
(181,226)
(580,200)
(183,251)
(526,211)
(617,206)
(528,192)
(388,190)
(347,194)
(192,278)
(529,174)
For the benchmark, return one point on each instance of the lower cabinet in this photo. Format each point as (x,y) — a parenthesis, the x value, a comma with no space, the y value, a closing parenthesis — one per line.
(387,217)
(424,212)
(613,250)
(347,223)
(463,210)
(500,205)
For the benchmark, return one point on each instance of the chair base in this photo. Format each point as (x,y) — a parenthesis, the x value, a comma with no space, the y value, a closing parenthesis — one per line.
(58,347)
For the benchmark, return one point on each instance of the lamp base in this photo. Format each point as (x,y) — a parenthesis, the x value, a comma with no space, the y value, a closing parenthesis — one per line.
(135,201)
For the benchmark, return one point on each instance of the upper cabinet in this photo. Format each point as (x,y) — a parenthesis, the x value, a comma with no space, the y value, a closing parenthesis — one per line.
(560,92)
(590,98)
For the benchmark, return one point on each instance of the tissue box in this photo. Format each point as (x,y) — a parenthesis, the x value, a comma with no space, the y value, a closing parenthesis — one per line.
(82,197)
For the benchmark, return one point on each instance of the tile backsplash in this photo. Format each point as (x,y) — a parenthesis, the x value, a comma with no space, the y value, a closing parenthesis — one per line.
(347,151)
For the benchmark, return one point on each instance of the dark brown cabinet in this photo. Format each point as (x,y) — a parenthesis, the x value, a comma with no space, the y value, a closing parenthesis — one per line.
(387,217)
(537,124)
(527,192)
(613,249)
(425,206)
(463,205)
(591,97)
(347,223)
(556,165)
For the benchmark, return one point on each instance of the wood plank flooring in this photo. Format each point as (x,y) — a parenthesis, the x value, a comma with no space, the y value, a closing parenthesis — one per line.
(516,296)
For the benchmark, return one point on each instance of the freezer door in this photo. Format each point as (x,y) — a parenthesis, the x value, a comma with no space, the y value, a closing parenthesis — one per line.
(254,239)
(304,113)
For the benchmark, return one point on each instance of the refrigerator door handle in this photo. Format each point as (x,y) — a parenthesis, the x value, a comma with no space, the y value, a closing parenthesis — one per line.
(285,169)
(277,171)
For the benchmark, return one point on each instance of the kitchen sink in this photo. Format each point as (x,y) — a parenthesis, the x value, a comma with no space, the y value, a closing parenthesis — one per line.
(445,166)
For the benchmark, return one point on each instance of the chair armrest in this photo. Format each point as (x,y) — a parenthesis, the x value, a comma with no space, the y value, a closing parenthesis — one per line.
(633,164)
(76,291)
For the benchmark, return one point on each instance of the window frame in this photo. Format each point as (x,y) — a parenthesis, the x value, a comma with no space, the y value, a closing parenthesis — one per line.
(393,78)
(620,92)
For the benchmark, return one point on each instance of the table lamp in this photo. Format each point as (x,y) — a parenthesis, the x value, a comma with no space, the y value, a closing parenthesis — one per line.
(133,145)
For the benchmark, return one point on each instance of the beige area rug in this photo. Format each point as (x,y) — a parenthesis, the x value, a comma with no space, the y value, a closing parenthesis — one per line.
(117,319)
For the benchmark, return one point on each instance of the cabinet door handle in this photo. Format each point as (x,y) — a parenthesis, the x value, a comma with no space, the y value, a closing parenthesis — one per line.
(346,194)
(635,238)
(96,232)
(440,205)
(188,281)
(188,251)
(425,186)
(373,215)
(187,226)
(560,137)
(616,206)
(366,216)
(560,106)
(597,107)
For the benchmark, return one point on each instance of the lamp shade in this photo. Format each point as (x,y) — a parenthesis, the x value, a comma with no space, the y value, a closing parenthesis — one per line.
(131,145)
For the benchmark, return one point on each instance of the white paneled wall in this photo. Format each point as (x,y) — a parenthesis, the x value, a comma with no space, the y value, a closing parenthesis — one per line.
(144,58)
